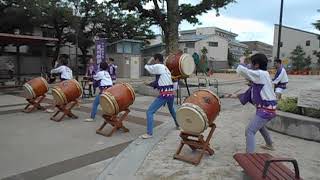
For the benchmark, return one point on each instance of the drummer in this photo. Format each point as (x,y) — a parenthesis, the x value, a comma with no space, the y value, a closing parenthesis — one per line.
(164,84)
(66,72)
(105,82)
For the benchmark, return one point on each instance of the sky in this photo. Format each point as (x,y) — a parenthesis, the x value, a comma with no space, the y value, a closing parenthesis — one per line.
(254,19)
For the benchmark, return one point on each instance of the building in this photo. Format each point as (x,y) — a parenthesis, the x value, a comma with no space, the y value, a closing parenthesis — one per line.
(291,38)
(261,47)
(217,41)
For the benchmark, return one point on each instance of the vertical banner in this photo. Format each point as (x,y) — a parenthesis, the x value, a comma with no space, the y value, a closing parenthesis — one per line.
(100,50)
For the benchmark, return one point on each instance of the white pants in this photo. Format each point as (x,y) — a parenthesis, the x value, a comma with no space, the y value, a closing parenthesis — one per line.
(279,90)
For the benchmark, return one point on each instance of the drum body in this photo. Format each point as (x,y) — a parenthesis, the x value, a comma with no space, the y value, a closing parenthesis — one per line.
(66,91)
(180,64)
(198,111)
(117,98)
(35,87)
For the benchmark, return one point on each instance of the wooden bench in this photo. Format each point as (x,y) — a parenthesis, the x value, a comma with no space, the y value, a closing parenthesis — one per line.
(262,166)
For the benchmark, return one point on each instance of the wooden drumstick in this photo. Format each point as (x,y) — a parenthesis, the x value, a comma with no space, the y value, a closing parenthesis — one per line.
(230,95)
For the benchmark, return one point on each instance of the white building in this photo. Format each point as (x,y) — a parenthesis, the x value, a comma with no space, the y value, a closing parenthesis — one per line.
(216,40)
(291,38)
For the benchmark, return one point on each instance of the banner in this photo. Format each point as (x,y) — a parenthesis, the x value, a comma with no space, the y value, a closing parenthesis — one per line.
(101,46)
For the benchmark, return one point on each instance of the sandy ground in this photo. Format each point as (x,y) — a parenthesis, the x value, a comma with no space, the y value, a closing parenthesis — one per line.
(228,139)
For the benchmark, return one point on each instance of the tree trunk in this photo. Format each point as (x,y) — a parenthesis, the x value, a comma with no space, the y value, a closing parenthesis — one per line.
(171,32)
(56,53)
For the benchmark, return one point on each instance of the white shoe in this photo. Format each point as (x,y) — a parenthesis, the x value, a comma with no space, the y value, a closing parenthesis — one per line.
(49,110)
(89,120)
(145,136)
(267,147)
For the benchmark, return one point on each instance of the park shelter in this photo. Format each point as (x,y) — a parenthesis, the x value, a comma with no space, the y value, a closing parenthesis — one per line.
(20,40)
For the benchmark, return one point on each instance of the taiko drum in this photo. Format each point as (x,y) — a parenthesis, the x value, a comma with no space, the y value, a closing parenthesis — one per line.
(66,91)
(198,111)
(180,64)
(35,87)
(117,98)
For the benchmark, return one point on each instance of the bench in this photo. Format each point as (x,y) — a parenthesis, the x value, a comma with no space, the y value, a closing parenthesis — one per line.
(263,166)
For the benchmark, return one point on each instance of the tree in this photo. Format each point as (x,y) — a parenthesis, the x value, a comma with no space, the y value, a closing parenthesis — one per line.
(231,59)
(307,62)
(317,54)
(298,58)
(170,18)
(58,15)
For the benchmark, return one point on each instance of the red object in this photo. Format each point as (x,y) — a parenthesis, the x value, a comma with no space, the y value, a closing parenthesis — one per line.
(262,166)
(67,91)
(207,101)
(39,86)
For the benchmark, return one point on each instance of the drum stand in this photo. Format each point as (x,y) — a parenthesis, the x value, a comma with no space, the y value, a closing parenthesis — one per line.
(200,143)
(114,121)
(179,89)
(66,110)
(35,103)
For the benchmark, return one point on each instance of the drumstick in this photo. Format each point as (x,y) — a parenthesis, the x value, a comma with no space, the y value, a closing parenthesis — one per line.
(229,95)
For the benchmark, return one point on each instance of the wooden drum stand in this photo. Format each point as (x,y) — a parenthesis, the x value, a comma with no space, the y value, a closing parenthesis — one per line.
(35,103)
(66,110)
(195,144)
(115,121)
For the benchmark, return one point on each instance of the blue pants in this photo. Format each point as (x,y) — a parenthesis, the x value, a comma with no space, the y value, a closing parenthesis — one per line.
(156,104)
(95,105)
(257,123)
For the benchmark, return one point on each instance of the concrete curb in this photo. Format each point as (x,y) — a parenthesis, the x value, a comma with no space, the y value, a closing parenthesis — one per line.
(127,163)
(296,125)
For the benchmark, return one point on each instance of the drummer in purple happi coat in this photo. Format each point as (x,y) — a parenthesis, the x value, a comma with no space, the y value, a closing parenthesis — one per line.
(261,95)
(280,79)
(164,84)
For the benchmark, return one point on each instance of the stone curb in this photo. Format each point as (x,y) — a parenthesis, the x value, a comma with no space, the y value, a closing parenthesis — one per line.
(296,125)
(127,163)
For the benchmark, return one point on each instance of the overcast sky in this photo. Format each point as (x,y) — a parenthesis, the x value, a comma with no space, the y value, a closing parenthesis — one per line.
(255,19)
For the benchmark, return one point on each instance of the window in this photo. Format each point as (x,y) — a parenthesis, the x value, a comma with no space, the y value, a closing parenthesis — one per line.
(190,45)
(127,48)
(213,44)
(308,43)
(135,48)
(119,48)
(185,50)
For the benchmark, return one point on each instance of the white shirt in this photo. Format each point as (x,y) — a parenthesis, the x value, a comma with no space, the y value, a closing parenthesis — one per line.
(105,78)
(259,77)
(282,78)
(66,72)
(163,71)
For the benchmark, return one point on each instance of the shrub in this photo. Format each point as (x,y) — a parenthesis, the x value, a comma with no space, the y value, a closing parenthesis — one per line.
(288,104)
(312,112)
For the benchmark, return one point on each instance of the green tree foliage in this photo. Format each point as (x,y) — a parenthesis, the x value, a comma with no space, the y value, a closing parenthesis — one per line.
(171,14)
(299,61)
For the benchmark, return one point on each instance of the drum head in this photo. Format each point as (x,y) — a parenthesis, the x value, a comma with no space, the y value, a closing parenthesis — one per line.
(107,105)
(187,65)
(191,120)
(28,91)
(58,97)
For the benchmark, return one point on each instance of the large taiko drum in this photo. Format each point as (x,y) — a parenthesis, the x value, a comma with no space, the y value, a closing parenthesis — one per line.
(180,64)
(117,98)
(35,87)
(66,91)
(198,111)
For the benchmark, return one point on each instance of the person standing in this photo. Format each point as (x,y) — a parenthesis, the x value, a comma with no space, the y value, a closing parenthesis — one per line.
(164,84)
(112,70)
(105,81)
(280,79)
(260,94)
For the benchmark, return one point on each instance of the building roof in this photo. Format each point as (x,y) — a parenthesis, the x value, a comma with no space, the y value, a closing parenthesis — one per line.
(238,43)
(192,38)
(298,30)
(24,39)
(256,42)
(126,40)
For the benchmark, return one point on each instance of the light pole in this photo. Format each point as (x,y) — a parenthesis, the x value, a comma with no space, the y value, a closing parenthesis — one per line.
(77,40)
(279,32)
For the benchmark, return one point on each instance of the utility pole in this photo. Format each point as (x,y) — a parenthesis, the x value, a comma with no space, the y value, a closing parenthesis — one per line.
(77,39)
(280,28)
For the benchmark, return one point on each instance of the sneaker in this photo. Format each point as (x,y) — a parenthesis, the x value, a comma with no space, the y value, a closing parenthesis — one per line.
(145,136)
(89,120)
(49,110)
(268,147)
